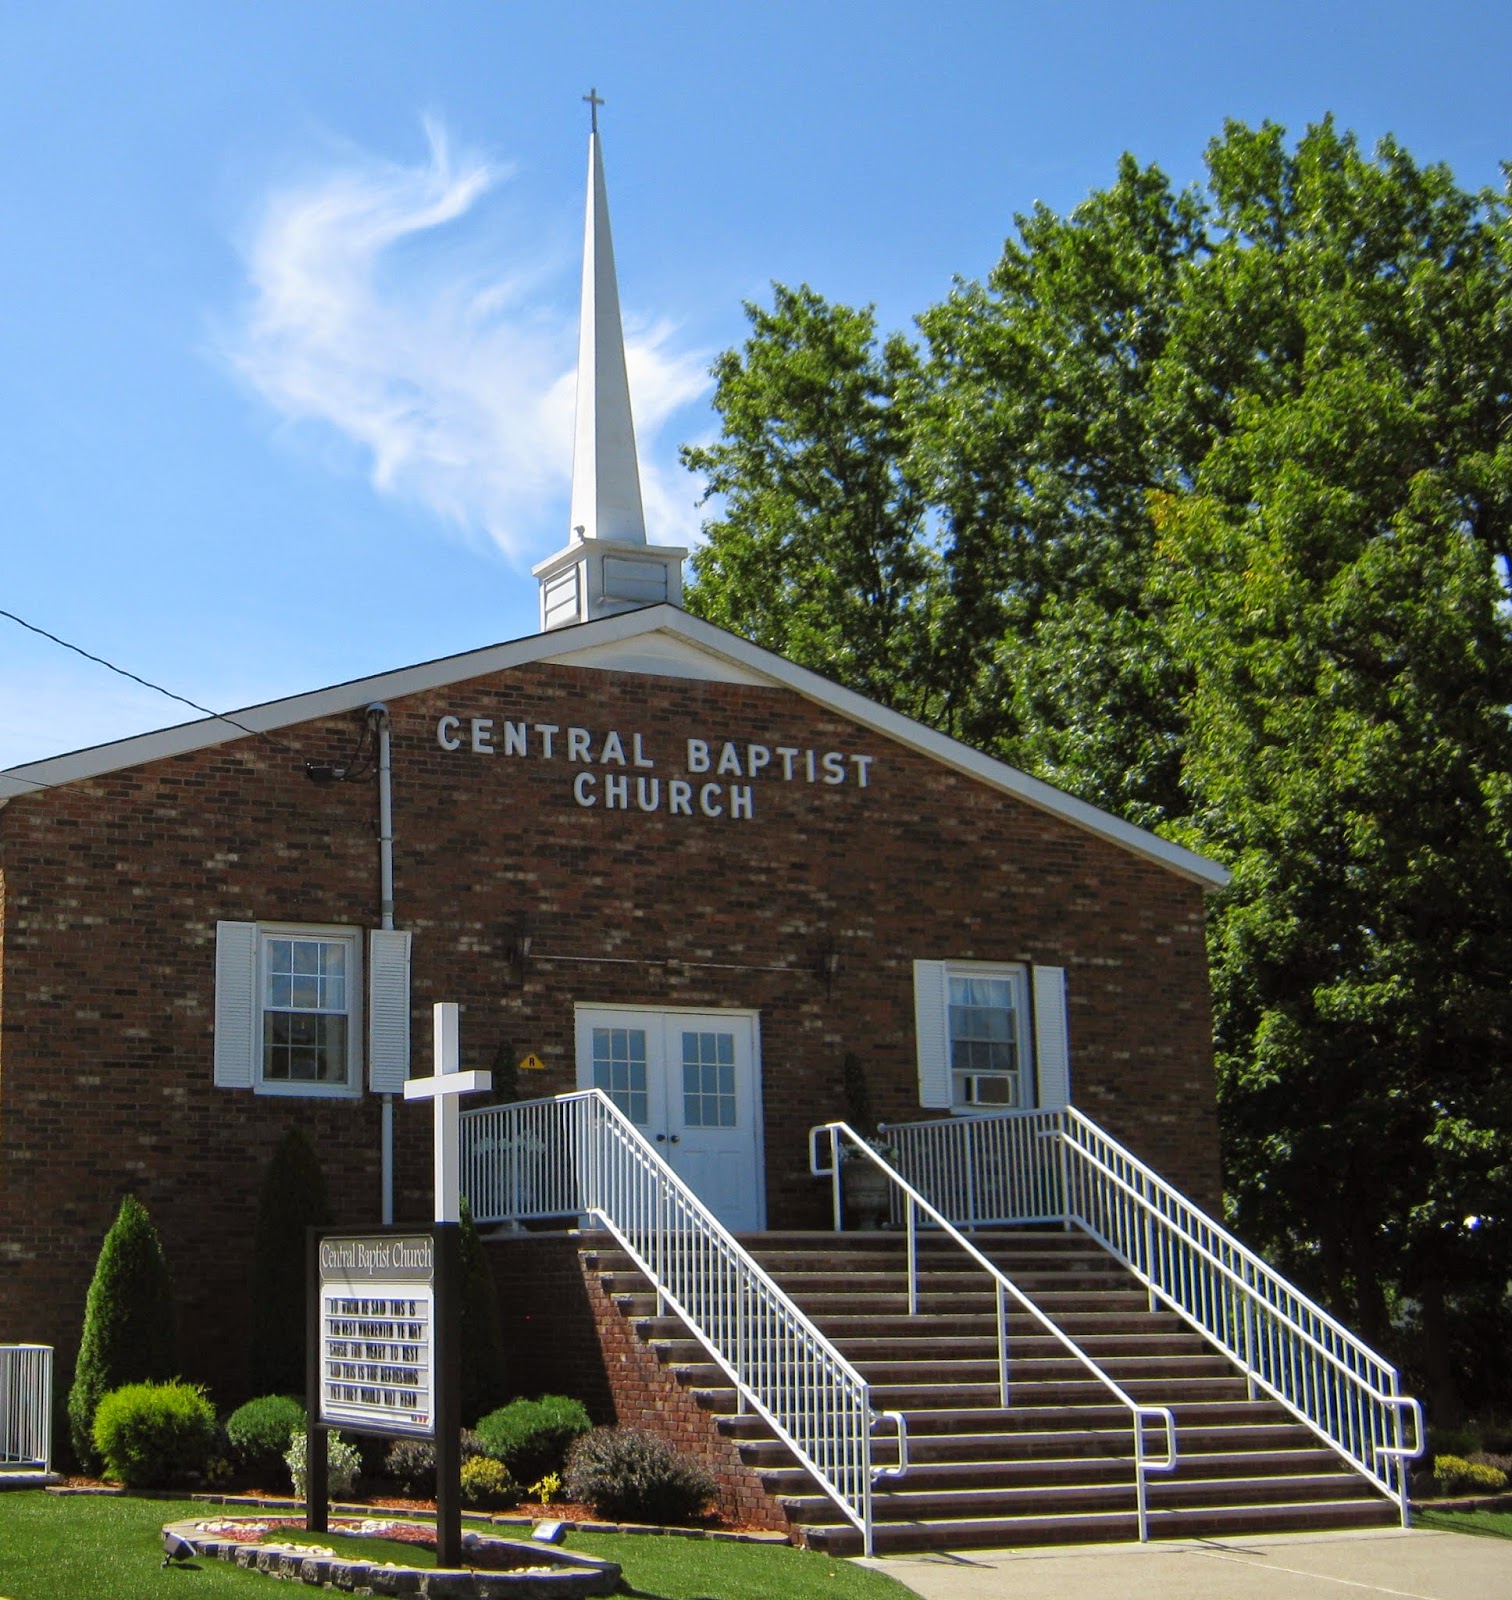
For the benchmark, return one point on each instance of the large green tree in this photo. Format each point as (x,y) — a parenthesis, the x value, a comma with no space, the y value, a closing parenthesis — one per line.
(1200,507)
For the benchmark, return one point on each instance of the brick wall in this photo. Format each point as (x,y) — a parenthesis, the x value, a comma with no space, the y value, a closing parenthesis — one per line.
(113,886)
(565,1335)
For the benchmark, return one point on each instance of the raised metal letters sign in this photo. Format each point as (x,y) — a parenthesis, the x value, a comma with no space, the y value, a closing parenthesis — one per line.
(377,1332)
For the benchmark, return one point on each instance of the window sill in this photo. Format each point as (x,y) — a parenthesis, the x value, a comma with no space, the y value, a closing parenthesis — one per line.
(309,1091)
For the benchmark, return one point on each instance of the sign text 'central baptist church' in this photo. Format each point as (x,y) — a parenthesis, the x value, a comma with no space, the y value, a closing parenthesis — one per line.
(714,778)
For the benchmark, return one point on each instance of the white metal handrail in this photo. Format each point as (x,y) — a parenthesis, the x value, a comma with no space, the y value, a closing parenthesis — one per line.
(26,1406)
(846,1145)
(1058,1165)
(578,1154)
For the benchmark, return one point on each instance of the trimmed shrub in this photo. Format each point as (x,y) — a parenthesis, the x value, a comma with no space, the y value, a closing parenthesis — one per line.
(411,1463)
(343,1463)
(259,1433)
(630,1474)
(487,1483)
(1455,1475)
(152,1435)
(128,1323)
(292,1198)
(482,1376)
(532,1437)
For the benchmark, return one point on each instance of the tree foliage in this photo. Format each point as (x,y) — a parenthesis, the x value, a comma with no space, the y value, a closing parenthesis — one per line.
(1200,506)
(130,1326)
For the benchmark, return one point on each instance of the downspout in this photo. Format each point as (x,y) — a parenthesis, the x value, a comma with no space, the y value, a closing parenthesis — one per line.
(378,714)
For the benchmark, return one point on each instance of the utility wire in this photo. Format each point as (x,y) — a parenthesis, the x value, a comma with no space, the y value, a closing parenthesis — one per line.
(146,683)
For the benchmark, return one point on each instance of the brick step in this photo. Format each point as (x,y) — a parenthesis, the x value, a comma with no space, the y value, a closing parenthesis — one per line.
(1115,1308)
(979,1300)
(1026,1238)
(1106,1349)
(1238,1424)
(936,1391)
(1025,1372)
(842,1539)
(952,1279)
(934,1259)
(921,1504)
(1303,1467)
(1083,1326)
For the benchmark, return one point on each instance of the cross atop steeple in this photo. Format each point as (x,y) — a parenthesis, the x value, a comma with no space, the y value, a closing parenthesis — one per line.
(593,101)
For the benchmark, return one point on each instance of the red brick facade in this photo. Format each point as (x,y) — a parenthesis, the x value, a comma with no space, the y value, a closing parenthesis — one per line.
(111,888)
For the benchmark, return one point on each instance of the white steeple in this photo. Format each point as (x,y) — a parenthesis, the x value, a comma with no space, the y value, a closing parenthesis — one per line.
(607,565)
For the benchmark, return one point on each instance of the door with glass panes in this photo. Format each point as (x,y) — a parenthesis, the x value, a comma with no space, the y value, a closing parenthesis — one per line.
(689,1081)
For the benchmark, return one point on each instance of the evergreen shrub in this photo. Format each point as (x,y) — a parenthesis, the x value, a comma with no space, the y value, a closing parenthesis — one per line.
(487,1483)
(531,1437)
(632,1475)
(259,1433)
(411,1463)
(129,1323)
(292,1198)
(153,1435)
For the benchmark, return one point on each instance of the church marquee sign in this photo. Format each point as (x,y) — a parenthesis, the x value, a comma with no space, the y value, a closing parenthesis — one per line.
(376,1337)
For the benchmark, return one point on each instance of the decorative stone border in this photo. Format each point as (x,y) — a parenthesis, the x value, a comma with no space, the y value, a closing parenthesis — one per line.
(541,1572)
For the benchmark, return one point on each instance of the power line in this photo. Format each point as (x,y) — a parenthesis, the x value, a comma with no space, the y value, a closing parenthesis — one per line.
(146,683)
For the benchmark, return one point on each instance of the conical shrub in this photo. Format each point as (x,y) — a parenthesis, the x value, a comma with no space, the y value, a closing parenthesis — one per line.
(130,1330)
(482,1379)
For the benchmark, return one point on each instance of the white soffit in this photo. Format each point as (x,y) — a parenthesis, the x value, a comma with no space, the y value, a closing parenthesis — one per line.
(681,646)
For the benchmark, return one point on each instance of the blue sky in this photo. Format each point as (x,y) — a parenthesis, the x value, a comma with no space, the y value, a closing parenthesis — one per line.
(288,290)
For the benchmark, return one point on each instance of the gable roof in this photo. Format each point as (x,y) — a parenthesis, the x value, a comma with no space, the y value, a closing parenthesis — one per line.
(658,641)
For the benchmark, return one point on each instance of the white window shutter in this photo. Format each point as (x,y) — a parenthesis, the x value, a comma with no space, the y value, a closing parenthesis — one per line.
(1052,1047)
(235,1004)
(932,1033)
(388,1010)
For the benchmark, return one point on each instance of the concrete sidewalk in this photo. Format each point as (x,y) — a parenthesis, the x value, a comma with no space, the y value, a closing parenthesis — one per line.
(1415,1564)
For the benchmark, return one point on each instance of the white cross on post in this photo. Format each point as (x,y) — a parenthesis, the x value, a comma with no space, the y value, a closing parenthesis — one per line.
(444,1089)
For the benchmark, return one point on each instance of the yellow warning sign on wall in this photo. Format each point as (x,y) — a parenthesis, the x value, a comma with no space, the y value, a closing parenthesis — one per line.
(532,1063)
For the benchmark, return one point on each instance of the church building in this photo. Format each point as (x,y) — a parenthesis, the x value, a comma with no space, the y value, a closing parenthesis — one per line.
(643,855)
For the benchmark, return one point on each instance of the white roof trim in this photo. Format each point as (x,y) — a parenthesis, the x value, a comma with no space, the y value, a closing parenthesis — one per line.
(745,663)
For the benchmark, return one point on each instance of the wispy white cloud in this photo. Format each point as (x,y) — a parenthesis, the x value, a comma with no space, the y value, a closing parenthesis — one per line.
(367,314)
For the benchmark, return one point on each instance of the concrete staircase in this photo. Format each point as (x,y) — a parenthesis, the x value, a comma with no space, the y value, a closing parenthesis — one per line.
(1055,1467)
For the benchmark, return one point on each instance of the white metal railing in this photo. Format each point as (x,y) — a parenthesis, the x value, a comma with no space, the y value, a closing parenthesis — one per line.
(26,1406)
(846,1146)
(1023,1166)
(578,1154)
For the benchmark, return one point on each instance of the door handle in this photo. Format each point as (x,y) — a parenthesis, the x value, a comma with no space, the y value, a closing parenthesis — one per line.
(676,1139)
(661,1138)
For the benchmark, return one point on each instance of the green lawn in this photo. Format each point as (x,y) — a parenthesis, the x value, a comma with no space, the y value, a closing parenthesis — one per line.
(1494,1524)
(72,1547)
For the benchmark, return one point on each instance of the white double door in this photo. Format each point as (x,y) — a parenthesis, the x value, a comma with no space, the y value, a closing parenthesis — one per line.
(690,1081)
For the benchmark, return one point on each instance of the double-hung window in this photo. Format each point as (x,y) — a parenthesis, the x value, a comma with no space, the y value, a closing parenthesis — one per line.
(988,1032)
(991,1036)
(288,1009)
(309,982)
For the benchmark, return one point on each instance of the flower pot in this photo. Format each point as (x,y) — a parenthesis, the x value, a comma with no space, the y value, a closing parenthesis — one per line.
(867,1191)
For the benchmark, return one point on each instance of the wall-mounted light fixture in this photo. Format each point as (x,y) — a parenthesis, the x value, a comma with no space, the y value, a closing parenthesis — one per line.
(519,952)
(827,964)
